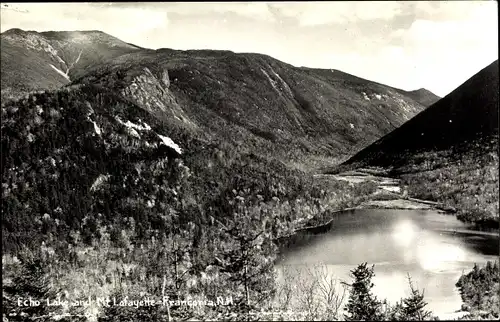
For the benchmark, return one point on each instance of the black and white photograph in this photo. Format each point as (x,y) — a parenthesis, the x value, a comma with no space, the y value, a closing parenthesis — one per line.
(250,161)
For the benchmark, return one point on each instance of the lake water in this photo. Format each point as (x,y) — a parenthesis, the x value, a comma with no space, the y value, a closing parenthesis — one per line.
(433,248)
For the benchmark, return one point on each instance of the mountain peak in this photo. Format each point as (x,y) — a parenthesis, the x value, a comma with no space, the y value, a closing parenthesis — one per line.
(422,90)
(15,31)
(424,96)
(86,37)
(51,59)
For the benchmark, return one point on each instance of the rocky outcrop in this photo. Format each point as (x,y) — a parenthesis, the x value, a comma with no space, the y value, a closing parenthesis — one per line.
(152,93)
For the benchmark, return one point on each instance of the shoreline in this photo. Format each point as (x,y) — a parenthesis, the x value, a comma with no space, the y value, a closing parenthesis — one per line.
(398,201)
(394,204)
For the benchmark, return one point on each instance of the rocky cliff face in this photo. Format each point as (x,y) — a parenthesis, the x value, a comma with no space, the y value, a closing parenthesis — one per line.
(153,94)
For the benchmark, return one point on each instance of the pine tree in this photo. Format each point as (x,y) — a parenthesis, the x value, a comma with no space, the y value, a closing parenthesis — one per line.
(31,282)
(413,306)
(247,259)
(479,289)
(362,304)
(395,313)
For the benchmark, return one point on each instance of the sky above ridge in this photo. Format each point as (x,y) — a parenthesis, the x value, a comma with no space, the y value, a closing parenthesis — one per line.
(436,45)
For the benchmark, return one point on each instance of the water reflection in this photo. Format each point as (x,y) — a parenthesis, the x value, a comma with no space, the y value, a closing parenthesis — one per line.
(435,255)
(399,242)
(404,233)
(430,251)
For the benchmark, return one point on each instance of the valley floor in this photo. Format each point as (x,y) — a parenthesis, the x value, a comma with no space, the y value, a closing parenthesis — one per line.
(389,193)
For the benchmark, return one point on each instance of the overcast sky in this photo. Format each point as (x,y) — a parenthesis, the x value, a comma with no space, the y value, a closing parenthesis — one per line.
(436,45)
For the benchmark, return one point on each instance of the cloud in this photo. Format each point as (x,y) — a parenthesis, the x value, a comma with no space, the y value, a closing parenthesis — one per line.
(452,10)
(126,23)
(319,13)
(390,65)
(6,6)
(253,10)
(453,43)
(465,21)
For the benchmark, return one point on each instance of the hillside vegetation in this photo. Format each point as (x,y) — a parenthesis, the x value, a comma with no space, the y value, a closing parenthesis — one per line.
(480,291)
(250,98)
(100,191)
(423,96)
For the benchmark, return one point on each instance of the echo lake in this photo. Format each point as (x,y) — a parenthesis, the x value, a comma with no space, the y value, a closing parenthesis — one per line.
(433,248)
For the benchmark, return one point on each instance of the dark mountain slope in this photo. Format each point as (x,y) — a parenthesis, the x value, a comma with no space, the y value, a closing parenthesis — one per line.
(468,113)
(82,159)
(449,152)
(148,154)
(59,149)
(87,174)
(37,61)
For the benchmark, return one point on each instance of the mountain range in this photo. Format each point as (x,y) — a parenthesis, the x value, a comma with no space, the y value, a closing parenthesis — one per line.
(248,99)
(254,103)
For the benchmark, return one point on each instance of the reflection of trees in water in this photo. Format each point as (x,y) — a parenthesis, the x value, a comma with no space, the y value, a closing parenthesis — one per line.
(482,243)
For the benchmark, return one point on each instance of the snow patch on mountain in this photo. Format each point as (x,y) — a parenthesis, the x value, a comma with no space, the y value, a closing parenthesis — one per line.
(99,181)
(96,128)
(143,127)
(273,83)
(168,142)
(60,72)
(74,63)
(133,128)
(133,132)
(283,83)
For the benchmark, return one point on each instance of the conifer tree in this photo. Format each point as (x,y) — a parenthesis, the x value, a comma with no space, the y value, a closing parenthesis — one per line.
(362,304)
(413,308)
(32,282)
